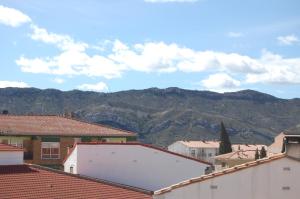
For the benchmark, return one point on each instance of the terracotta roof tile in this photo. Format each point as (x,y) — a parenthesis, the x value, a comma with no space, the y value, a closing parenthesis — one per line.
(54,125)
(28,181)
(5,147)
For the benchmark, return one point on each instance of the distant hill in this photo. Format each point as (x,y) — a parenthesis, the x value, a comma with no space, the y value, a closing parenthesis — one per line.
(161,116)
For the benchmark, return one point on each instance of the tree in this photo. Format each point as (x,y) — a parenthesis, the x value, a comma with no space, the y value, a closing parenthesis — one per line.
(263,152)
(256,154)
(225,145)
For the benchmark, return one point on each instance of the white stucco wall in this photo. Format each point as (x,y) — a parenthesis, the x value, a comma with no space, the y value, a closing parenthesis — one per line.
(135,165)
(71,161)
(11,157)
(180,148)
(278,179)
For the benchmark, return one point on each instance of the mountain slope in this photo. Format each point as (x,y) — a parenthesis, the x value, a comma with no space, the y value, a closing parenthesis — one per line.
(161,116)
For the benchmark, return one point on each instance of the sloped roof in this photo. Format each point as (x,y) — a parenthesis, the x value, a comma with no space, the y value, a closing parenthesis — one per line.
(29,181)
(54,125)
(241,154)
(5,147)
(201,144)
(248,147)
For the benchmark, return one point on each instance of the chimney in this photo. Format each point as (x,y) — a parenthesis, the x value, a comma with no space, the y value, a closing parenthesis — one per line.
(292,146)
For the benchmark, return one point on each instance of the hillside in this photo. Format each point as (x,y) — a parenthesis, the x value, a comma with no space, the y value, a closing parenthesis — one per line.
(161,116)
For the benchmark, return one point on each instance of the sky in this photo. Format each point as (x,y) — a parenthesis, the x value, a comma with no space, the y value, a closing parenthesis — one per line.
(114,45)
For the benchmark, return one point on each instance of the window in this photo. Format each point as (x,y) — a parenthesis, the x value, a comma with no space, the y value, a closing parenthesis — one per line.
(50,150)
(286,168)
(71,169)
(193,152)
(17,143)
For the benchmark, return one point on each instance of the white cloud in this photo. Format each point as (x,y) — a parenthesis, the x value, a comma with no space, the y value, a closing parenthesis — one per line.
(235,34)
(277,70)
(170,1)
(154,57)
(12,17)
(4,84)
(63,42)
(221,82)
(288,40)
(98,87)
(58,80)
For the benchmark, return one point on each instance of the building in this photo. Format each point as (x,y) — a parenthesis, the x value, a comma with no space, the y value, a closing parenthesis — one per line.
(133,164)
(10,155)
(276,146)
(236,158)
(207,150)
(275,177)
(46,139)
(204,150)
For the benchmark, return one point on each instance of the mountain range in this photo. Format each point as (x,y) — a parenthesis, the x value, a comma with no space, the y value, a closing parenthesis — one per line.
(162,116)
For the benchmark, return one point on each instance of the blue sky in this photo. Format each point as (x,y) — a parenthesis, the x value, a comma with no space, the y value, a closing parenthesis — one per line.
(113,45)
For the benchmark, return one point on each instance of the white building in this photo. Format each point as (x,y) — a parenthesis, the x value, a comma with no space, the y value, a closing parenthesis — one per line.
(276,177)
(10,155)
(204,150)
(132,164)
(207,150)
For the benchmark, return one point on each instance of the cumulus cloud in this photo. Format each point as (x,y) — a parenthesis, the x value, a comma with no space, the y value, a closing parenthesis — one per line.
(98,87)
(12,17)
(153,57)
(277,70)
(5,84)
(235,34)
(288,40)
(170,1)
(220,82)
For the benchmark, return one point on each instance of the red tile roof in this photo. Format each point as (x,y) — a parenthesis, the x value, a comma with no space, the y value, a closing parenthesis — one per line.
(136,143)
(54,125)
(5,147)
(29,181)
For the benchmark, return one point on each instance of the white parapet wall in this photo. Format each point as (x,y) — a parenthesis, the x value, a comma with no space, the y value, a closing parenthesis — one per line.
(277,178)
(135,165)
(11,157)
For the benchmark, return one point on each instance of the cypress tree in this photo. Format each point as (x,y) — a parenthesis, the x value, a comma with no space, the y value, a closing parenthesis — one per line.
(256,154)
(225,145)
(263,152)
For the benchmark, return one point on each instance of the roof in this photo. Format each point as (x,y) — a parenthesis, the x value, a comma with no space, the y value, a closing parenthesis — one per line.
(31,181)
(247,147)
(201,144)
(5,147)
(293,131)
(54,125)
(216,144)
(277,145)
(138,144)
(241,154)
(221,173)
